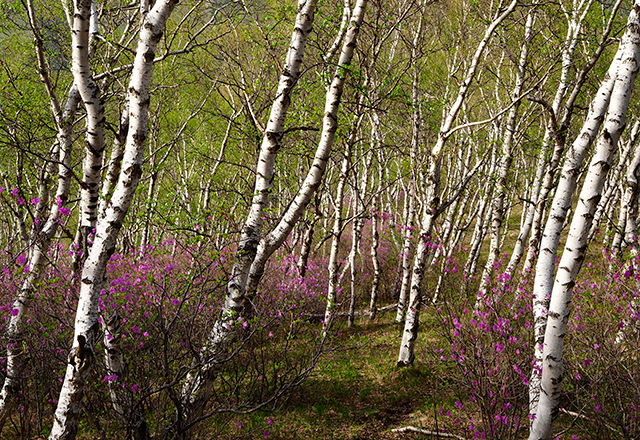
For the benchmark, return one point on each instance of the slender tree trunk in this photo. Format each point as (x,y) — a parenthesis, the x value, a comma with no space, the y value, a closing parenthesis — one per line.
(416,122)
(480,228)
(254,253)
(577,241)
(431,201)
(65,422)
(360,216)
(613,182)
(550,240)
(271,242)
(375,235)
(115,162)
(95,134)
(252,229)
(558,133)
(44,233)
(307,242)
(497,206)
(334,287)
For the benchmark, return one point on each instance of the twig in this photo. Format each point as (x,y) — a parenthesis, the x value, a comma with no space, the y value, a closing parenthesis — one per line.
(583,417)
(427,432)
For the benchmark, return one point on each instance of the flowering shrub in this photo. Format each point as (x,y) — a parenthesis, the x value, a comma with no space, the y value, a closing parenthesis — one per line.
(485,353)
(484,350)
(163,301)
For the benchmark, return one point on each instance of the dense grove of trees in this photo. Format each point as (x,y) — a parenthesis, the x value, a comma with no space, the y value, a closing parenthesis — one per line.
(194,193)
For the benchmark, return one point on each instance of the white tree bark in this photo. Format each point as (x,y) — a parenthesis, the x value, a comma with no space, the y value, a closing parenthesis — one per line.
(627,63)
(44,228)
(376,209)
(43,234)
(497,205)
(66,417)
(272,241)
(274,131)
(613,184)
(334,284)
(359,194)
(559,132)
(545,267)
(431,199)
(252,229)
(482,215)
(630,199)
(416,121)
(83,28)
(253,253)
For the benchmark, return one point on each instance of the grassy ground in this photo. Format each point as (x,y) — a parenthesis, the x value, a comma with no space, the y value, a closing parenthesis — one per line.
(357,392)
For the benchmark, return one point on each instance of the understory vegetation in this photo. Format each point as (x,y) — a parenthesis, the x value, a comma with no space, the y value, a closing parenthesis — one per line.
(470,377)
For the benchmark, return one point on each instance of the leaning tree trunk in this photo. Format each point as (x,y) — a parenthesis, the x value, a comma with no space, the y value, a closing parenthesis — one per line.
(551,302)
(431,199)
(252,230)
(416,122)
(482,219)
(546,186)
(375,220)
(577,241)
(83,29)
(65,421)
(44,230)
(333,285)
(253,253)
(38,258)
(612,187)
(497,205)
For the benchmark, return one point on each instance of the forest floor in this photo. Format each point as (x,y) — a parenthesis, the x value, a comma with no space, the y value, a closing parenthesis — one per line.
(357,392)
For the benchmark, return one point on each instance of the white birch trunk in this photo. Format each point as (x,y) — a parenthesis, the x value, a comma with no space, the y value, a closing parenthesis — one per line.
(497,205)
(274,131)
(271,242)
(577,241)
(431,202)
(83,28)
(559,135)
(406,252)
(543,283)
(115,161)
(67,413)
(359,194)
(613,183)
(253,253)
(334,284)
(252,230)
(630,200)
(37,260)
(482,214)
(416,121)
(375,240)
(630,205)
(334,277)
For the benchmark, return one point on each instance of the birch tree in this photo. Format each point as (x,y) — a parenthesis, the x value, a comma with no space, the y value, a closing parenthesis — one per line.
(44,229)
(561,204)
(555,133)
(252,230)
(615,91)
(69,407)
(498,202)
(410,194)
(430,205)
